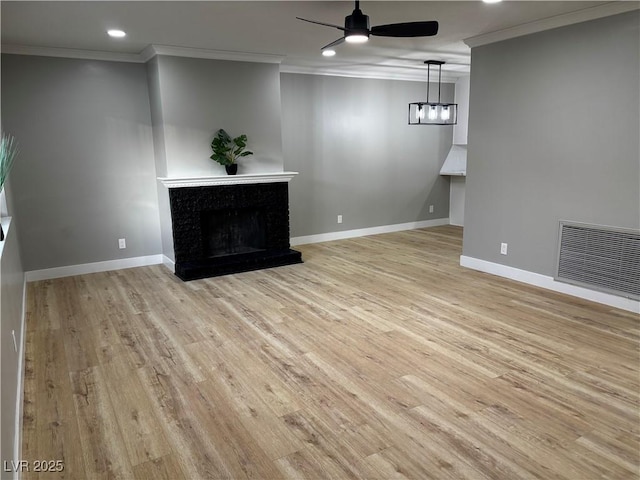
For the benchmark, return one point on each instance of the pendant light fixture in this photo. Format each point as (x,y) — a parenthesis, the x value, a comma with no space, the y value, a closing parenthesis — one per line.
(433,113)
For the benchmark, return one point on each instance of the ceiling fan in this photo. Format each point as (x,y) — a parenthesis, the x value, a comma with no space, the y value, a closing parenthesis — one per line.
(356,28)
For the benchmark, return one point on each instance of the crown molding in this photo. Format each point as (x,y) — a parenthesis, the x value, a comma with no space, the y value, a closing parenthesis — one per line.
(591,13)
(147,54)
(419,75)
(153,50)
(71,53)
(381,73)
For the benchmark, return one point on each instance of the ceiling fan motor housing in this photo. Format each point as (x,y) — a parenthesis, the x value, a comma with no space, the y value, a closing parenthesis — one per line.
(357,23)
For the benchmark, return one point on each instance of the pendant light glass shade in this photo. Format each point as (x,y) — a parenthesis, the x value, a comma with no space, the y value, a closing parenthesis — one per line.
(423,113)
(433,113)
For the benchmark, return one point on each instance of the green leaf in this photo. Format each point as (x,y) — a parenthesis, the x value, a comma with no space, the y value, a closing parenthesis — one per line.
(223,136)
(241,141)
(8,153)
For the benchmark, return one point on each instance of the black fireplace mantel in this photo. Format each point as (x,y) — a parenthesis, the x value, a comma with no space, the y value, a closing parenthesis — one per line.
(230,226)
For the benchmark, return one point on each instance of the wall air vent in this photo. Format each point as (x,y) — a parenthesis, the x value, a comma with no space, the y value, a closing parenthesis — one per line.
(602,258)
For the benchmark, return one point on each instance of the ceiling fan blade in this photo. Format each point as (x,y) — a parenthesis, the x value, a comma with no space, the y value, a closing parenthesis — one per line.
(322,23)
(334,43)
(409,29)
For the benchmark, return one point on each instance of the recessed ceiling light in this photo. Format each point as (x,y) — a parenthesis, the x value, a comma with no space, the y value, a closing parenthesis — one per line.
(491,1)
(328,53)
(116,33)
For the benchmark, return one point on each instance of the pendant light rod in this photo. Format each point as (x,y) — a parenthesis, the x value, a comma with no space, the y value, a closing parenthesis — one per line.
(428,79)
(439,63)
(439,81)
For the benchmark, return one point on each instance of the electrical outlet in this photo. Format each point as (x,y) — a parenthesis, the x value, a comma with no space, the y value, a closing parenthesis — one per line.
(122,243)
(15,343)
(339,218)
(503,248)
(430,208)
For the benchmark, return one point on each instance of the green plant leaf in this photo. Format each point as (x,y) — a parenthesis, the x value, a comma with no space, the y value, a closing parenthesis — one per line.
(224,136)
(8,153)
(241,141)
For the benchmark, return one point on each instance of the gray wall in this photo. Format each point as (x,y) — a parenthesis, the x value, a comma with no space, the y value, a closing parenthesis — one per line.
(356,155)
(460,131)
(155,105)
(199,96)
(11,293)
(86,173)
(553,134)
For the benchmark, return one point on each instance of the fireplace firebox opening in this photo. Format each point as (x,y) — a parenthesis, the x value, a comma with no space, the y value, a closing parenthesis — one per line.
(230,232)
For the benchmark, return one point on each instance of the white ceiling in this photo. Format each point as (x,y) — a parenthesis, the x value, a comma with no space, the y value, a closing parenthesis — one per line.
(266,27)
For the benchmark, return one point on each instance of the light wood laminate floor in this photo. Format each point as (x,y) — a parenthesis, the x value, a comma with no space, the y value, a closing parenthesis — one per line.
(378,358)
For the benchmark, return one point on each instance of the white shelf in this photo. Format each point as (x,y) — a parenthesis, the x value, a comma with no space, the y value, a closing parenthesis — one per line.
(456,162)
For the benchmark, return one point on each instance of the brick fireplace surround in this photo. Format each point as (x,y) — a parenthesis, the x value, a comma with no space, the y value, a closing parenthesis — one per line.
(230,224)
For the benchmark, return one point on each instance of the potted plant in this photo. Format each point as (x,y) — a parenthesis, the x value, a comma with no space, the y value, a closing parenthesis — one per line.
(227,150)
(8,152)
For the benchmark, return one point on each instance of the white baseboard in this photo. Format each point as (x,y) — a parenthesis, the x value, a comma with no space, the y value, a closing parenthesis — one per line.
(170,264)
(17,440)
(362,232)
(49,273)
(549,283)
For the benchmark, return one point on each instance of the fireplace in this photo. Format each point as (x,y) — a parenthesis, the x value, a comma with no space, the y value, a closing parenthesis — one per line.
(231,227)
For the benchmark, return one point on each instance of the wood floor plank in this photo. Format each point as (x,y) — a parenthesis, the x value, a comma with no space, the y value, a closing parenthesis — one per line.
(140,429)
(49,423)
(162,468)
(195,450)
(242,448)
(231,361)
(379,357)
(305,464)
(481,447)
(322,443)
(315,387)
(100,439)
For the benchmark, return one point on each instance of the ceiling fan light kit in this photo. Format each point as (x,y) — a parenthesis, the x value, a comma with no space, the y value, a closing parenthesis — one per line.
(356,38)
(433,113)
(356,26)
(357,30)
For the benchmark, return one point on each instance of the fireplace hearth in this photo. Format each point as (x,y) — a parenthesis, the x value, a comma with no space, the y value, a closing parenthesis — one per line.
(224,229)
